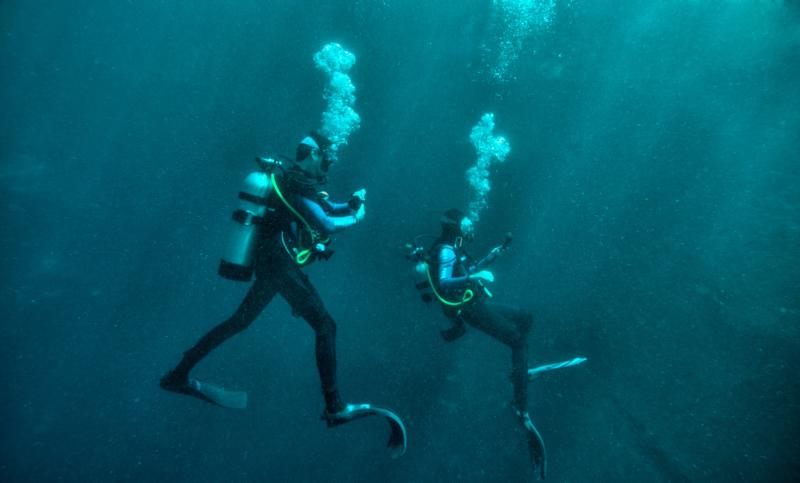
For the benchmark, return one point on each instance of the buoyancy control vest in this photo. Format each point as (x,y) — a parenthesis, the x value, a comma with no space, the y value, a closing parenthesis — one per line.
(426,271)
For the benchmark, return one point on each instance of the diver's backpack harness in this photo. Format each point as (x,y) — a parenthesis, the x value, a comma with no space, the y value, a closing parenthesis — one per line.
(253,213)
(300,255)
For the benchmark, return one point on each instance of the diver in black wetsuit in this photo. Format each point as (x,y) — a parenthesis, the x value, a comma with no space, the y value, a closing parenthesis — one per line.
(295,233)
(458,282)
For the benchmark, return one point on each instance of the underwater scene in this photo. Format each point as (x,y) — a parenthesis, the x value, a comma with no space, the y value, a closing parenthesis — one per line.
(400,241)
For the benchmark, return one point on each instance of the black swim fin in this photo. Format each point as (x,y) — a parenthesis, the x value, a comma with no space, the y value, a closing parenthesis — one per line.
(210,393)
(219,395)
(397,430)
(536,449)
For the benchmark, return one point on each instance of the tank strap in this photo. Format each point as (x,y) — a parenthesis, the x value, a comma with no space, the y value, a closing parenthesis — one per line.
(259,200)
(303,255)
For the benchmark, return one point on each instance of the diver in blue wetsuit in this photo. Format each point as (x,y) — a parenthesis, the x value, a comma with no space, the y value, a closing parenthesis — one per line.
(459,283)
(289,225)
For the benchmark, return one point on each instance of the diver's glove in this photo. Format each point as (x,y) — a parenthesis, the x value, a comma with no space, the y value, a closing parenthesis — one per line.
(482,276)
(356,203)
(357,199)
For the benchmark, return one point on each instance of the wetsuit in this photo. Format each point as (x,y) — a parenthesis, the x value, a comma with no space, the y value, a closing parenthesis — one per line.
(278,273)
(510,325)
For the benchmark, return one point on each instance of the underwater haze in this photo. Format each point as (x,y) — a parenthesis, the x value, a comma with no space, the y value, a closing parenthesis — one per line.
(652,187)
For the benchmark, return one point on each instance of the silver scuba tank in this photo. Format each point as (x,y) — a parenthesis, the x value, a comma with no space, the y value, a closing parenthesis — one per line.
(416,254)
(238,261)
(421,281)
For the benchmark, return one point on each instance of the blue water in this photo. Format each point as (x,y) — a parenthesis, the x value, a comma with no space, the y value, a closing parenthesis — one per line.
(652,186)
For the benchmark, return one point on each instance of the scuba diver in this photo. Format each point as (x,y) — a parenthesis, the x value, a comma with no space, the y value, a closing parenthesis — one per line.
(448,274)
(283,224)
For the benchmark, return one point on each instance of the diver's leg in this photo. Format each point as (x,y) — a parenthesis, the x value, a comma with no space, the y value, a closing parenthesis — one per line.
(510,326)
(488,318)
(522,321)
(306,302)
(260,294)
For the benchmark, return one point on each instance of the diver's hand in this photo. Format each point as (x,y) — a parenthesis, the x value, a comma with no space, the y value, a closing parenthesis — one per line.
(356,203)
(483,275)
(357,199)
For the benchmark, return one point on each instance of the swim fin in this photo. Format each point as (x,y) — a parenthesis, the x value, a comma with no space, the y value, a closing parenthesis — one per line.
(397,430)
(532,373)
(219,395)
(536,448)
(210,393)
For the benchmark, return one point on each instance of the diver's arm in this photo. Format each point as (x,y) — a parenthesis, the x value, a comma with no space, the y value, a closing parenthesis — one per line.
(355,206)
(447,263)
(327,223)
(337,209)
(341,209)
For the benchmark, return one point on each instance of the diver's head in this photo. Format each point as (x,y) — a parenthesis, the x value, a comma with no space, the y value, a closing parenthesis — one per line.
(315,154)
(457,227)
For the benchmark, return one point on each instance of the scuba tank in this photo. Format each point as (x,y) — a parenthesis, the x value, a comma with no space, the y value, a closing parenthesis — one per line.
(421,281)
(416,253)
(248,218)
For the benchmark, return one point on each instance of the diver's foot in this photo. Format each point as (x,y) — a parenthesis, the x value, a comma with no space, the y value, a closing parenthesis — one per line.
(335,409)
(340,414)
(525,419)
(175,381)
(349,412)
